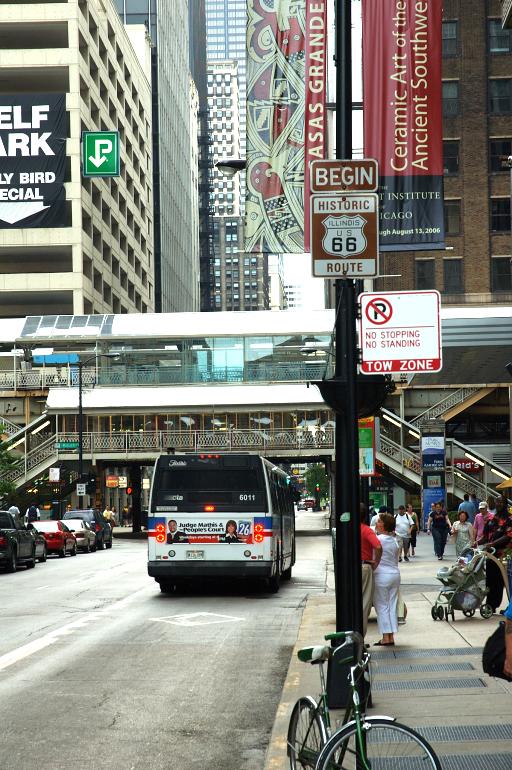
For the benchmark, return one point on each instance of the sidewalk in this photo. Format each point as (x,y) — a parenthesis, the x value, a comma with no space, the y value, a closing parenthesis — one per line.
(431,680)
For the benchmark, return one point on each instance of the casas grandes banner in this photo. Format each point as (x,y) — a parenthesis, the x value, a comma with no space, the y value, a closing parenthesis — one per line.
(286,119)
(403,119)
(32,160)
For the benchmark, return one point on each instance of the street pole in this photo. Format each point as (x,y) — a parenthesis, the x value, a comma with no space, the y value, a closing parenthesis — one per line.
(80,433)
(349,611)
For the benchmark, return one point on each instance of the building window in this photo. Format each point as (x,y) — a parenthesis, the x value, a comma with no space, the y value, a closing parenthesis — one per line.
(425,274)
(500,40)
(452,217)
(501,274)
(500,215)
(452,269)
(450,38)
(499,151)
(500,96)
(450,98)
(451,156)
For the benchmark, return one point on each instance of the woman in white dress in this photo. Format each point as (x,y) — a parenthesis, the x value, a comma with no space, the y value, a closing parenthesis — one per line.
(387,581)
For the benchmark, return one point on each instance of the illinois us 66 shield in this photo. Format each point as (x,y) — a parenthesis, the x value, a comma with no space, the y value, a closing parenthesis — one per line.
(344,235)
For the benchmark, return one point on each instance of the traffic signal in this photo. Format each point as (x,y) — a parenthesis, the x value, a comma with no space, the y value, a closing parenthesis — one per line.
(317,487)
(129,490)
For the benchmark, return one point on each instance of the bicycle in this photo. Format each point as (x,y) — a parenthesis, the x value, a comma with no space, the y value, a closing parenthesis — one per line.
(361,742)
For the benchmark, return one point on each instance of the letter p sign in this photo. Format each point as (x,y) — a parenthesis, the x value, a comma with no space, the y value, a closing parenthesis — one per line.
(100,153)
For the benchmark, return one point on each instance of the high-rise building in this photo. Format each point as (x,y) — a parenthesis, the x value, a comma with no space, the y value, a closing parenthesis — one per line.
(69,244)
(477,131)
(176,213)
(277,295)
(225,133)
(240,281)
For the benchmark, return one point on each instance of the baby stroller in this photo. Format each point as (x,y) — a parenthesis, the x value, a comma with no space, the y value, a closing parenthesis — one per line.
(464,586)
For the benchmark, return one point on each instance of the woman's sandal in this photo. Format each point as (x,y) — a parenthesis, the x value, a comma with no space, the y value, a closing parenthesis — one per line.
(380,643)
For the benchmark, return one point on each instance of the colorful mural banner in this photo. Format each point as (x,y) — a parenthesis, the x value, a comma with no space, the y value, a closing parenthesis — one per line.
(286,119)
(402,47)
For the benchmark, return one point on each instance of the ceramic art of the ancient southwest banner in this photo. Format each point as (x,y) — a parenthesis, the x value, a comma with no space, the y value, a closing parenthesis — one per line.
(403,119)
(286,119)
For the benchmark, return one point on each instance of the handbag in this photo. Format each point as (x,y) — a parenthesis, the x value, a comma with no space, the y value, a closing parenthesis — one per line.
(493,655)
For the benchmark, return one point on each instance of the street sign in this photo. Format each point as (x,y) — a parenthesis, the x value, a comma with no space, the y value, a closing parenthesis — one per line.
(54,474)
(81,489)
(400,332)
(340,176)
(345,235)
(100,153)
(67,445)
(122,482)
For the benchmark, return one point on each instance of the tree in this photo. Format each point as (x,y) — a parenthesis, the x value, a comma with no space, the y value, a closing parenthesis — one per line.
(7,463)
(314,475)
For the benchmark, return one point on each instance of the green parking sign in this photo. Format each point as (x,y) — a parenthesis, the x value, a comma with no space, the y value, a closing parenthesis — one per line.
(100,153)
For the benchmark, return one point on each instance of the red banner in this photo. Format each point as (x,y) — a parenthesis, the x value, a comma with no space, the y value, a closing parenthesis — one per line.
(315,113)
(402,43)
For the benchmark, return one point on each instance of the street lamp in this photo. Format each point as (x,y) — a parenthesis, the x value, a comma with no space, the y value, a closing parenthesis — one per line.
(80,364)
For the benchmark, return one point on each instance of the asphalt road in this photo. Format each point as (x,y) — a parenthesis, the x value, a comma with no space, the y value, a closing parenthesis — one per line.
(99,671)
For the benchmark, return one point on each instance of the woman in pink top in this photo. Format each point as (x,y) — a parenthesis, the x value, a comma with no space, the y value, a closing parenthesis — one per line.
(481,519)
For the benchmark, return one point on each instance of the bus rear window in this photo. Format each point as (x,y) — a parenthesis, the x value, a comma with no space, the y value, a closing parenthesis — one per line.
(225,488)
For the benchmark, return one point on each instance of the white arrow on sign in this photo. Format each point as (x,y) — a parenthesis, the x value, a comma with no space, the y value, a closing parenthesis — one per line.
(15,212)
(100,158)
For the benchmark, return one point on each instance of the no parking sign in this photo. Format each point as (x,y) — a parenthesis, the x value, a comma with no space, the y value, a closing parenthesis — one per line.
(400,332)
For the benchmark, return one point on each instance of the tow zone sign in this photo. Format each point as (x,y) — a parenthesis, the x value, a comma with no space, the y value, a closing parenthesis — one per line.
(400,332)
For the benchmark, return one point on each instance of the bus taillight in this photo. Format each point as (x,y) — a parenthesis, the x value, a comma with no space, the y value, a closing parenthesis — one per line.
(258,533)
(209,508)
(160,533)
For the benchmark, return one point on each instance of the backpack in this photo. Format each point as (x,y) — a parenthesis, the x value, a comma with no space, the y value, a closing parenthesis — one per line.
(32,513)
(493,655)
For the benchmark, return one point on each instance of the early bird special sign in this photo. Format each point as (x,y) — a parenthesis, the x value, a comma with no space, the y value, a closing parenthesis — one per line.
(400,332)
(345,235)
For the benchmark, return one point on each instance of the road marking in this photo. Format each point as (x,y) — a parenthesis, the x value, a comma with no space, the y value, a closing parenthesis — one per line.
(197,619)
(41,588)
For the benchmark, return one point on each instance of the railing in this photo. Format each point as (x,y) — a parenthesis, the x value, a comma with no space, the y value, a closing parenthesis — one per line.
(42,379)
(404,457)
(197,441)
(446,403)
(9,428)
(42,455)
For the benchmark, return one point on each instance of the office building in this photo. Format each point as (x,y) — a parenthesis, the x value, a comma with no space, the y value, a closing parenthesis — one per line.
(277,295)
(70,244)
(176,216)
(477,131)
(240,281)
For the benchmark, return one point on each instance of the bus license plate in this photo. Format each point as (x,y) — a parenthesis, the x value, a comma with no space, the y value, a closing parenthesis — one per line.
(195,554)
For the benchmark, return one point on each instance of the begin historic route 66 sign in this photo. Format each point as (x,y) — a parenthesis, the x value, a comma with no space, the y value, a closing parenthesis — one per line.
(344,235)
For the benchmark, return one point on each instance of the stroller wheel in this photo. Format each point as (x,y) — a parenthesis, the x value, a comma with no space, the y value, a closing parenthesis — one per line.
(440,613)
(486,611)
(468,613)
(446,613)
(433,612)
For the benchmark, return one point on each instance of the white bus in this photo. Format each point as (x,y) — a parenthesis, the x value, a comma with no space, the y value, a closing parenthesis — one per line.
(219,515)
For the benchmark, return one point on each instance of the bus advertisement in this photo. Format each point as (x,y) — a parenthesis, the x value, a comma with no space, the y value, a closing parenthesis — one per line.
(219,515)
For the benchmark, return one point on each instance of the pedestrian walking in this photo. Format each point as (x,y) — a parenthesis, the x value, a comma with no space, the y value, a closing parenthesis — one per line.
(371,551)
(481,520)
(439,524)
(462,533)
(109,516)
(387,582)
(32,514)
(469,507)
(403,526)
(498,535)
(414,529)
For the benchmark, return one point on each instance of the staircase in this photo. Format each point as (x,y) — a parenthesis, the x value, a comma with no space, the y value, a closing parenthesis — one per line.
(9,428)
(451,405)
(34,463)
(405,462)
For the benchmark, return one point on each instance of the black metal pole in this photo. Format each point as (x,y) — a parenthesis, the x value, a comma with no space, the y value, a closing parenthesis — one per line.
(349,612)
(80,433)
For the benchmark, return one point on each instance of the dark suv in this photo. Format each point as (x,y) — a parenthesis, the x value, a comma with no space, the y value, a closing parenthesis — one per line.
(97,522)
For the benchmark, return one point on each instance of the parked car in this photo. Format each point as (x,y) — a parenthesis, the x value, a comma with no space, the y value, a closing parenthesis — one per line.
(40,541)
(85,536)
(16,543)
(97,522)
(58,537)
(301,505)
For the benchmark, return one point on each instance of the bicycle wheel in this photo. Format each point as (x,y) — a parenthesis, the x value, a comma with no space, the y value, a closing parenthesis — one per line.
(306,734)
(388,746)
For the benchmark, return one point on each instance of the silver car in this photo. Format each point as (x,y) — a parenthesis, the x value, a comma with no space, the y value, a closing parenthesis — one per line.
(85,536)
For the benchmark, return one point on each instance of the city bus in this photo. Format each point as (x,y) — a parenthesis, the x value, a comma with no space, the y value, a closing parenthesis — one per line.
(219,515)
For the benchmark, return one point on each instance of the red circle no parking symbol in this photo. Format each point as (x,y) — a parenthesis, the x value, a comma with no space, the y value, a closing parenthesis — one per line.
(379,311)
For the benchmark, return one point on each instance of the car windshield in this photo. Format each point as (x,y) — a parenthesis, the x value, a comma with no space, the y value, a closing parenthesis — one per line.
(82,515)
(46,526)
(75,524)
